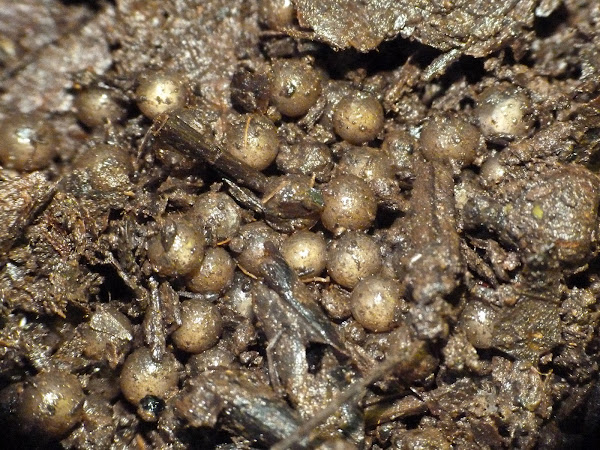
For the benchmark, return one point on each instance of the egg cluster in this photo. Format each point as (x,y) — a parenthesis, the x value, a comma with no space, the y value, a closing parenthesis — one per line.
(309,184)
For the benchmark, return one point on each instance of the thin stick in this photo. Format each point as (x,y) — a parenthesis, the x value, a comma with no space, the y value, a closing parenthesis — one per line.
(178,130)
(356,388)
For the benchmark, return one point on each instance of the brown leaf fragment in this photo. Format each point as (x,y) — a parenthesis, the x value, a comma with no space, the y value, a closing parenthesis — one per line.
(19,198)
(476,27)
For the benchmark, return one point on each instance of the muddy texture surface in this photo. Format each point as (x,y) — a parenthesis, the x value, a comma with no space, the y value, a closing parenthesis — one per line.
(299,224)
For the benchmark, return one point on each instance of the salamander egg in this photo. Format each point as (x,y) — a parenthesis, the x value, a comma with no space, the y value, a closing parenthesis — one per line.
(450,138)
(160,92)
(296,86)
(353,257)
(375,303)
(51,403)
(201,326)
(253,141)
(305,252)
(142,375)
(178,248)
(26,143)
(96,106)
(358,118)
(350,204)
(215,273)
(504,112)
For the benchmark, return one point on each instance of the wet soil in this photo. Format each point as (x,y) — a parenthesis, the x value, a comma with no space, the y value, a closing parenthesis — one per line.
(350,224)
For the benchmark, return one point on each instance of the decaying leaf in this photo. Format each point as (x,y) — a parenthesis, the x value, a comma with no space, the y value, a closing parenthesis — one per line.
(476,27)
